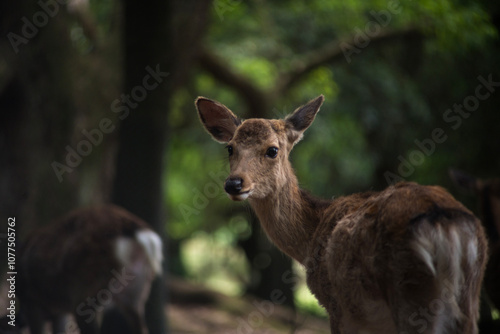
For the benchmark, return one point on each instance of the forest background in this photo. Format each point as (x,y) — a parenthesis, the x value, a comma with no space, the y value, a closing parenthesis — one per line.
(96,106)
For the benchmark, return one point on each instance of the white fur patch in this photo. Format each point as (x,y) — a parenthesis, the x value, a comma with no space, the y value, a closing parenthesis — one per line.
(442,251)
(455,255)
(472,252)
(153,246)
(427,240)
(123,250)
(424,247)
(239,197)
(150,242)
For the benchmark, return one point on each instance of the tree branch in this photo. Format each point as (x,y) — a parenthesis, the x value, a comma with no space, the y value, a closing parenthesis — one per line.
(255,98)
(336,51)
(258,101)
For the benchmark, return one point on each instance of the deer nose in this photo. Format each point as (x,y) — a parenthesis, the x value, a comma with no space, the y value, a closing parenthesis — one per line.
(233,185)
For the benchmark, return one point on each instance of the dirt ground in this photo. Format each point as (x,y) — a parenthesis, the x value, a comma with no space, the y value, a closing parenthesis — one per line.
(194,309)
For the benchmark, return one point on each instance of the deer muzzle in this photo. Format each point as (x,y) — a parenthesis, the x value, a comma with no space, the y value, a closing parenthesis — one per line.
(234,188)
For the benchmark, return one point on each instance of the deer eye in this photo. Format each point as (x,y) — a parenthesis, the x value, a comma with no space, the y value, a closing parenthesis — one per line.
(272,152)
(229,150)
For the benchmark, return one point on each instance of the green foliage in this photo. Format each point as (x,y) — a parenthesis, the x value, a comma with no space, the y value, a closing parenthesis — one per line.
(211,259)
(192,199)
(376,107)
(260,70)
(103,11)
(459,26)
(333,156)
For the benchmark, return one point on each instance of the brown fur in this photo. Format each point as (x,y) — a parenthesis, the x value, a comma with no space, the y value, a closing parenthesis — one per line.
(488,195)
(374,260)
(65,263)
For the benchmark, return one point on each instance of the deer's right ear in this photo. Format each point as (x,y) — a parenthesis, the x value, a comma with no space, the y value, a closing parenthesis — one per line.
(217,119)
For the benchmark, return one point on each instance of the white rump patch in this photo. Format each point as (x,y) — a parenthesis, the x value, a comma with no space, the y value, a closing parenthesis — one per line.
(423,248)
(149,241)
(472,252)
(442,250)
(426,241)
(455,255)
(153,246)
(123,250)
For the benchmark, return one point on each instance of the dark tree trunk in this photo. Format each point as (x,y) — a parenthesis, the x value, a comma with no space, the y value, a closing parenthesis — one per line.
(37,113)
(139,164)
(160,41)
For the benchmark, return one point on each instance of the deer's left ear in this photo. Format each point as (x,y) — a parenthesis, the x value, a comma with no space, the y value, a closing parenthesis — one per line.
(302,118)
(217,119)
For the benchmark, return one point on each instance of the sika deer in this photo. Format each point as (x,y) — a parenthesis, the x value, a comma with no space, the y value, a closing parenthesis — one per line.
(409,259)
(488,193)
(85,263)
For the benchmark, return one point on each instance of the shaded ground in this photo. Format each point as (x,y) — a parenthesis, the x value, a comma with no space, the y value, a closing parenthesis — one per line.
(194,309)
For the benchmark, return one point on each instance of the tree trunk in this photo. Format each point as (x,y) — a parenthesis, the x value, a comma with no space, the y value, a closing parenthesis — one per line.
(160,41)
(37,114)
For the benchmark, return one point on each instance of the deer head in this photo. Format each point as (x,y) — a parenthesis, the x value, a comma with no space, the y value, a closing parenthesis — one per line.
(258,149)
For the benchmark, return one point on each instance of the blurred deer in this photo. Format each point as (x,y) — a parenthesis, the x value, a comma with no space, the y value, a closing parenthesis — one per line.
(87,262)
(488,194)
(409,259)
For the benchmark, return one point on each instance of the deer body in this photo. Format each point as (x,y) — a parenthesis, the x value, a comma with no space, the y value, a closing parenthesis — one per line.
(409,259)
(383,258)
(85,263)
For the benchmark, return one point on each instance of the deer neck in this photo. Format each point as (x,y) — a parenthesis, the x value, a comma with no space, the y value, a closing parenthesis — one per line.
(289,216)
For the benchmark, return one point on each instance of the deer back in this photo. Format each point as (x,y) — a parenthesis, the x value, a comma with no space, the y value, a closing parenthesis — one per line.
(105,255)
